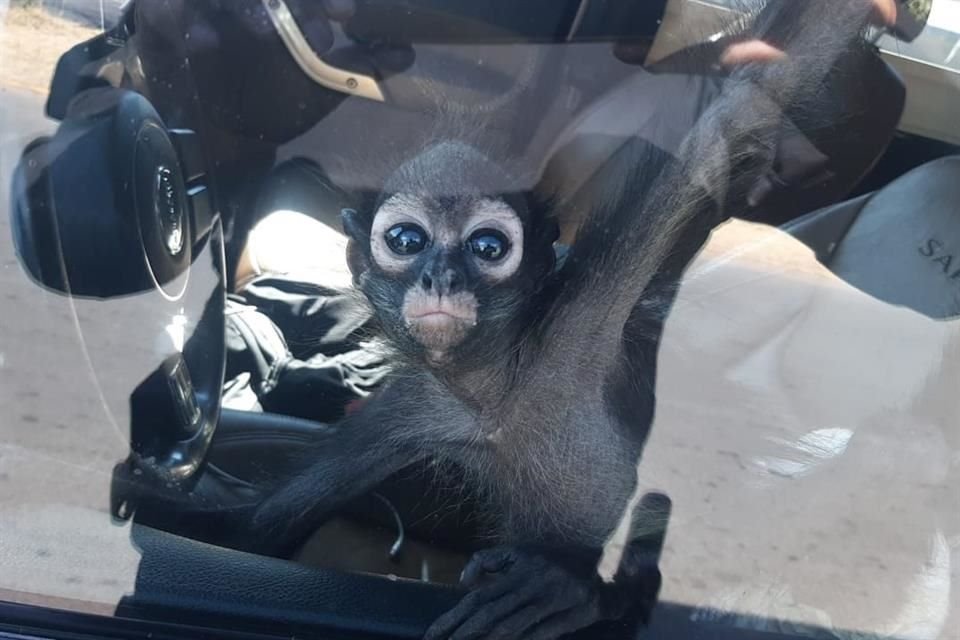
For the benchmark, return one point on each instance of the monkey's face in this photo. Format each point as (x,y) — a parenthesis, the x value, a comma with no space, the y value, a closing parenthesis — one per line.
(440,269)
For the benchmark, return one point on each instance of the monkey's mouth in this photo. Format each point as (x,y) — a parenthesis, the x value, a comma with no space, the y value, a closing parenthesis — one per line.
(439,323)
(441,315)
(440,327)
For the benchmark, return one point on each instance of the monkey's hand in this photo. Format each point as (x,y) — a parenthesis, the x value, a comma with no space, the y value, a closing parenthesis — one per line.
(522,593)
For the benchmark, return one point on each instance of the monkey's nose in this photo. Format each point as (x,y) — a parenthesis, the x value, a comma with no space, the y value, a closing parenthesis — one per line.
(453,281)
(445,282)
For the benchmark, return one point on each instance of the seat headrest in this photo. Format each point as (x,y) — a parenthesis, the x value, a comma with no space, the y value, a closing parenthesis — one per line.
(904,246)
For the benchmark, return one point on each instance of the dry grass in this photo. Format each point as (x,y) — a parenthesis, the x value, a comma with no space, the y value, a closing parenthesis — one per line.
(31,42)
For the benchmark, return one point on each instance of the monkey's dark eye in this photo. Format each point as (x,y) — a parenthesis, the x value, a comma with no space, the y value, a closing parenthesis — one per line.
(406,239)
(488,244)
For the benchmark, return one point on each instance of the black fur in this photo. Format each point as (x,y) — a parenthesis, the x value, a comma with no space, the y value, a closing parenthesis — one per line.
(546,407)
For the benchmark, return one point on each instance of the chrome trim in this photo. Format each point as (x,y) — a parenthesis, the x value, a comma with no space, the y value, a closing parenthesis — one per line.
(319,71)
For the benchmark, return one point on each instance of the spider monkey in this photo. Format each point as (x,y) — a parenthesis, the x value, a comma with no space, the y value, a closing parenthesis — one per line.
(526,375)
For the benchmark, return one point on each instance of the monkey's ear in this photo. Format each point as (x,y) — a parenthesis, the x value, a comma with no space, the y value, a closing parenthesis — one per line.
(541,254)
(355,226)
(358,246)
(551,230)
(358,261)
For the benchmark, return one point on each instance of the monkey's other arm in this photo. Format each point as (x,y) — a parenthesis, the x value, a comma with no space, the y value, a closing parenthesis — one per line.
(350,459)
(539,594)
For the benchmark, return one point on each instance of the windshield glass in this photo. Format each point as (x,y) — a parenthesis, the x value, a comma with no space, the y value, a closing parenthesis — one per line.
(455,319)
(939,43)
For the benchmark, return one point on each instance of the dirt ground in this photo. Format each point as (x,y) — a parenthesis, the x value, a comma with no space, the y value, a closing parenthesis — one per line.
(31,42)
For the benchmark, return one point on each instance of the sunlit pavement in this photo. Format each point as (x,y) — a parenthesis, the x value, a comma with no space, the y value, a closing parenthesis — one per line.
(95,13)
(57,442)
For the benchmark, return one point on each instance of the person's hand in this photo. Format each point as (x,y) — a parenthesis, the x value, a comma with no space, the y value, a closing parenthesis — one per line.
(227,57)
(884,15)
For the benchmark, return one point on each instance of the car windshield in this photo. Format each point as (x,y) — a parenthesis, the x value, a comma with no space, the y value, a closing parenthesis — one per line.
(477,319)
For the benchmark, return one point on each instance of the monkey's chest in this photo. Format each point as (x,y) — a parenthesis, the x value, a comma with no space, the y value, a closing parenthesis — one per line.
(560,479)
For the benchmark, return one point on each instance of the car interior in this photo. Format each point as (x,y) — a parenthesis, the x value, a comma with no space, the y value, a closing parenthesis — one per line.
(262,194)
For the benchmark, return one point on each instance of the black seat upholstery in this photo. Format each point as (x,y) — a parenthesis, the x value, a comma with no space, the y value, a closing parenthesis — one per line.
(900,244)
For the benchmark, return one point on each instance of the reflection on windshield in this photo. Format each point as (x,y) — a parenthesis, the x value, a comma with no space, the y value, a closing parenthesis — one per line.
(629,319)
(821,455)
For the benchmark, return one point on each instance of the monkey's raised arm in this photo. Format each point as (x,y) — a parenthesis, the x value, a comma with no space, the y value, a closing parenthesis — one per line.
(637,225)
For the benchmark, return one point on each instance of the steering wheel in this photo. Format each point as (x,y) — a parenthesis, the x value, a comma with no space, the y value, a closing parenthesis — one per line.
(115,212)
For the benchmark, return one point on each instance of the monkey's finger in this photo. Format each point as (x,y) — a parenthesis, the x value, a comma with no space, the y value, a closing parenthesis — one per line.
(487,561)
(536,597)
(547,605)
(750,51)
(884,13)
(445,625)
(516,624)
(763,187)
(563,623)
(485,620)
